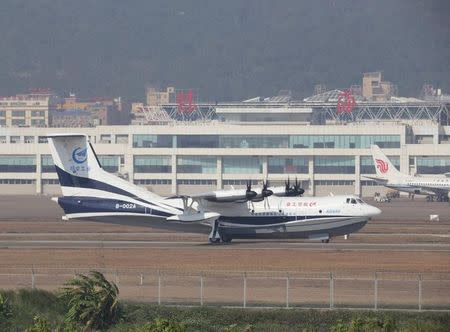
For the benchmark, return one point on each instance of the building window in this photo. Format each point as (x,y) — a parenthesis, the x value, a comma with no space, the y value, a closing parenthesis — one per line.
(152,141)
(17,164)
(369,183)
(368,167)
(152,164)
(17,181)
(344,141)
(334,182)
(153,182)
(14,139)
(121,139)
(50,181)
(197,164)
(287,165)
(47,164)
(197,141)
(38,122)
(432,165)
(18,114)
(254,141)
(29,139)
(241,165)
(18,122)
(38,113)
(334,165)
(197,182)
(239,182)
(109,163)
(42,139)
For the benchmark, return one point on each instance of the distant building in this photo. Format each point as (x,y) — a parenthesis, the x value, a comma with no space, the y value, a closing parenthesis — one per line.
(92,113)
(155,97)
(27,110)
(375,89)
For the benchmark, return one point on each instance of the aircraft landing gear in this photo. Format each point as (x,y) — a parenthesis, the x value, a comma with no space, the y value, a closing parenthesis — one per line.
(214,236)
(326,241)
(226,238)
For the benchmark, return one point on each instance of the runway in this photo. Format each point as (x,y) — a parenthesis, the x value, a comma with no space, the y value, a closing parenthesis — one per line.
(244,245)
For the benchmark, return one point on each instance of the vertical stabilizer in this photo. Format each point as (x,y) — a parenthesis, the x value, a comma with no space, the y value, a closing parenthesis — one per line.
(383,166)
(80,172)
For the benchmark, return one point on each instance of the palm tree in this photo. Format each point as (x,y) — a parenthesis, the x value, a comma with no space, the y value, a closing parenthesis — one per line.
(92,300)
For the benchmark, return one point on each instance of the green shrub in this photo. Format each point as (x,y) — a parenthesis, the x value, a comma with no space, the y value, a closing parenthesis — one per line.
(5,313)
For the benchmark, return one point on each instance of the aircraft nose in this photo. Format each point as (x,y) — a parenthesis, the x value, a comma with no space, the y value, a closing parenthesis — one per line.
(374,211)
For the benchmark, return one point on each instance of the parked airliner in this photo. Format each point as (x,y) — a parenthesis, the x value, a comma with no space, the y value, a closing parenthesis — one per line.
(389,176)
(89,192)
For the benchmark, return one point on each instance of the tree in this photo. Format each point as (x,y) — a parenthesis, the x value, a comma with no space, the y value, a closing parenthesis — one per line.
(92,300)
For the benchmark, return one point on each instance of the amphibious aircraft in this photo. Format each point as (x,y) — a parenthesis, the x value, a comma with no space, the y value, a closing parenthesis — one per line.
(389,176)
(89,192)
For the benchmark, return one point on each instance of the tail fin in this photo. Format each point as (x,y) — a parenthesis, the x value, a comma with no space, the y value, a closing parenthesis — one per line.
(80,172)
(383,165)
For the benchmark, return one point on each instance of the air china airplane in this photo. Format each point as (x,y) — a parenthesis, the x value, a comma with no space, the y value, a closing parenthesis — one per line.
(91,193)
(389,176)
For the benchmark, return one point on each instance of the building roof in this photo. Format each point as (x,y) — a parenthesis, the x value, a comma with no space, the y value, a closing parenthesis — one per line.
(330,96)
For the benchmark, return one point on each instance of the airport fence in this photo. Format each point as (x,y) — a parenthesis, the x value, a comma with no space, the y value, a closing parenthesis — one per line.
(375,291)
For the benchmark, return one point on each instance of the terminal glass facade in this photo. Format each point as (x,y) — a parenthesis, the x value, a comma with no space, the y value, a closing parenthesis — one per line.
(343,141)
(287,165)
(152,141)
(368,167)
(17,164)
(152,164)
(433,165)
(47,164)
(197,164)
(334,165)
(198,141)
(254,141)
(241,165)
(110,163)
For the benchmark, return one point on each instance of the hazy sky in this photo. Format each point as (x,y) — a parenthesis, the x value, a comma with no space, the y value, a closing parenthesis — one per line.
(228,50)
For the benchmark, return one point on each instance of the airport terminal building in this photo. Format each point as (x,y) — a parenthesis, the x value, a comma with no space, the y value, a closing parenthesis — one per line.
(227,144)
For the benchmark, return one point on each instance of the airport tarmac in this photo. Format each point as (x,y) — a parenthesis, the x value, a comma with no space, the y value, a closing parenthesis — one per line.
(401,239)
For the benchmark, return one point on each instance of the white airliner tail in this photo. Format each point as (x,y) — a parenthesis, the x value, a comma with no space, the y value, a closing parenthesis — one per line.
(384,168)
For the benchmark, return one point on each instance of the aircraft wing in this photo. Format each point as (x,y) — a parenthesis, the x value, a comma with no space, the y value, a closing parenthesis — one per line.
(434,190)
(376,178)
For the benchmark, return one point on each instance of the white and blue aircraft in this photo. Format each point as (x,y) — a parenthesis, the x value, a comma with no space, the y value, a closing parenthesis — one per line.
(89,192)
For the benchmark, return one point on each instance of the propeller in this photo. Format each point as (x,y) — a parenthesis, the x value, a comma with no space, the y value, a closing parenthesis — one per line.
(249,193)
(266,193)
(299,191)
(295,190)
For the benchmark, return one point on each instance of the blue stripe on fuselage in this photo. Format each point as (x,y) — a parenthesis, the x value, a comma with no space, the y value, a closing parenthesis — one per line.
(80,204)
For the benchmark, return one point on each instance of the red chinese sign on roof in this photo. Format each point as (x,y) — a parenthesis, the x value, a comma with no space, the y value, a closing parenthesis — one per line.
(346,102)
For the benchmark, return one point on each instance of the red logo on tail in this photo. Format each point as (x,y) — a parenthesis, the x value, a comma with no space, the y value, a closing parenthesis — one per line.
(382,165)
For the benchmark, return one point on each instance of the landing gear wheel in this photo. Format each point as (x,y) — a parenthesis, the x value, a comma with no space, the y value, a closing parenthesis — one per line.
(214,240)
(226,238)
(326,241)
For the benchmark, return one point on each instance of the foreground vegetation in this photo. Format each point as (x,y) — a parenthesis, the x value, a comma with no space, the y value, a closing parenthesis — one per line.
(90,303)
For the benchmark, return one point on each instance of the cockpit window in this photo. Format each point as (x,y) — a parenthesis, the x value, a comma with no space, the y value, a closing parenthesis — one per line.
(348,201)
(353,201)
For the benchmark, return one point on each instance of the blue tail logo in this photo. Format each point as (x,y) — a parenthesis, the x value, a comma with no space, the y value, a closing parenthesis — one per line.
(79,155)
